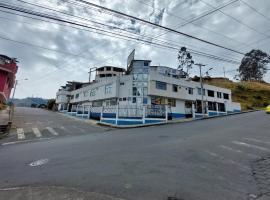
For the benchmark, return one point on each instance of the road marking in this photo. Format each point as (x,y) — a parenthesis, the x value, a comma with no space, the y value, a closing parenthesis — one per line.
(20,134)
(80,129)
(28,123)
(25,141)
(251,146)
(39,162)
(230,149)
(256,140)
(36,132)
(228,161)
(238,151)
(51,130)
(65,129)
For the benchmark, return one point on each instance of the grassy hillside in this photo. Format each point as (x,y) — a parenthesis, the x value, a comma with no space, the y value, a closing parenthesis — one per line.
(251,95)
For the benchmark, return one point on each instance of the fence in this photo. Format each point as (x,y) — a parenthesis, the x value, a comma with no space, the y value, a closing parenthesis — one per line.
(123,115)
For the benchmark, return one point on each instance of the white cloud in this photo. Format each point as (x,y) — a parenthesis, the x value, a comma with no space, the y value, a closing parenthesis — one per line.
(47,70)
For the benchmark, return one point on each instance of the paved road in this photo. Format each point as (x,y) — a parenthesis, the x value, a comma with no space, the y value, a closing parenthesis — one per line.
(215,159)
(38,124)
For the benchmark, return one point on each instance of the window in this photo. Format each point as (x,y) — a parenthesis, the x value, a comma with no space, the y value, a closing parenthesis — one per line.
(145,63)
(137,91)
(108,89)
(145,100)
(124,99)
(172,102)
(139,100)
(134,100)
(77,96)
(212,105)
(174,88)
(72,97)
(97,103)
(92,92)
(120,99)
(221,107)
(219,95)
(122,83)
(158,101)
(85,93)
(161,85)
(199,91)
(211,93)
(190,90)
(145,91)
(108,68)
(225,96)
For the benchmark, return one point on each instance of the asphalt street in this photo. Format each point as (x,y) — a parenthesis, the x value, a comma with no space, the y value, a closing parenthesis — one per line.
(217,159)
(32,124)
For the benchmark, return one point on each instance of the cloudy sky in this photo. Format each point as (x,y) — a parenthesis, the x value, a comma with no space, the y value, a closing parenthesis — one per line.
(51,53)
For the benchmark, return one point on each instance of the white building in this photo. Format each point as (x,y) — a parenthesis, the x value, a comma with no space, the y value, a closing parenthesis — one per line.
(144,85)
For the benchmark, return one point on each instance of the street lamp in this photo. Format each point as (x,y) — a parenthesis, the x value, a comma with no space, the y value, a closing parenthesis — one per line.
(15,86)
(12,105)
(200,66)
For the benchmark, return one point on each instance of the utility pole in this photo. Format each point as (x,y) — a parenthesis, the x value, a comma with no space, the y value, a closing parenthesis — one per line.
(201,82)
(224,72)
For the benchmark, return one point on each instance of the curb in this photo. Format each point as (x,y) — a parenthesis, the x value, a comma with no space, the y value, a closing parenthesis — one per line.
(172,122)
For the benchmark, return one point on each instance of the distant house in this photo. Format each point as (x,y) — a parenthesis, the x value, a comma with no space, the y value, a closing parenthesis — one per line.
(8,70)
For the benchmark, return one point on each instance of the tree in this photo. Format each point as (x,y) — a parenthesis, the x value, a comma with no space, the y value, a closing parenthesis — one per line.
(253,65)
(51,104)
(185,60)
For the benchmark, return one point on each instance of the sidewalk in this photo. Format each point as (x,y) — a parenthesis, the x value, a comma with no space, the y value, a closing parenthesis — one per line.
(4,116)
(4,122)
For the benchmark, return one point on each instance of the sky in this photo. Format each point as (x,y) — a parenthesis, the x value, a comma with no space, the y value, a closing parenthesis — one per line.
(51,53)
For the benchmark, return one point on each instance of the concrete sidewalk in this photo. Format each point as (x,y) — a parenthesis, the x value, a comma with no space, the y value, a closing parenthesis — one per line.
(4,116)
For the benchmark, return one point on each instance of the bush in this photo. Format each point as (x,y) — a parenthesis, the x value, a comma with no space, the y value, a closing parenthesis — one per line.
(51,104)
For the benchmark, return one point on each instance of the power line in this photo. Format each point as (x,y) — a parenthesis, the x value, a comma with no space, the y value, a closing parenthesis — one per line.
(159,26)
(195,19)
(235,19)
(254,9)
(152,43)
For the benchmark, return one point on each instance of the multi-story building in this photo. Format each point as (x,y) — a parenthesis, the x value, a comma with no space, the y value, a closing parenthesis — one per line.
(143,84)
(8,70)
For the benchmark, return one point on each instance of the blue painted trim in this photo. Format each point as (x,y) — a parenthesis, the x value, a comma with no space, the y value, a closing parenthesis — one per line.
(212,113)
(178,115)
(108,121)
(236,110)
(109,115)
(121,122)
(153,121)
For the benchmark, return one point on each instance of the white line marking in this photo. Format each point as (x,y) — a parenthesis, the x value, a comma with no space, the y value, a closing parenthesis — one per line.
(238,151)
(80,129)
(25,141)
(65,129)
(20,133)
(28,123)
(228,161)
(52,131)
(39,162)
(36,132)
(230,149)
(251,146)
(256,140)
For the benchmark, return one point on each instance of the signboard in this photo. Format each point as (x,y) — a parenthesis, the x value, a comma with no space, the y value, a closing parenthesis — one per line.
(130,58)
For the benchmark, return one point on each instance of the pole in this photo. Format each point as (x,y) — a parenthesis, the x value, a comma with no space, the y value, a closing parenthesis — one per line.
(90,75)
(16,82)
(201,82)
(224,72)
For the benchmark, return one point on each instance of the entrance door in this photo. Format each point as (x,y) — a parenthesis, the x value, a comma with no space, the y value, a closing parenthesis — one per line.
(188,109)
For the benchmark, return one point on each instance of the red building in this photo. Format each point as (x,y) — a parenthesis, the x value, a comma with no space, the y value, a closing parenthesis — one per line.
(8,70)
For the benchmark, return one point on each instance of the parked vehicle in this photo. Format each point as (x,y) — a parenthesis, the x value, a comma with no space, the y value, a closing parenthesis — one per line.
(267,109)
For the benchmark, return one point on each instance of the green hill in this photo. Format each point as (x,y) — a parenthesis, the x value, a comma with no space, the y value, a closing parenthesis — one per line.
(251,95)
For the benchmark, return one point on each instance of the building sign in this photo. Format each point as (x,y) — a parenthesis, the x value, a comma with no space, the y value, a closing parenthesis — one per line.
(130,58)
